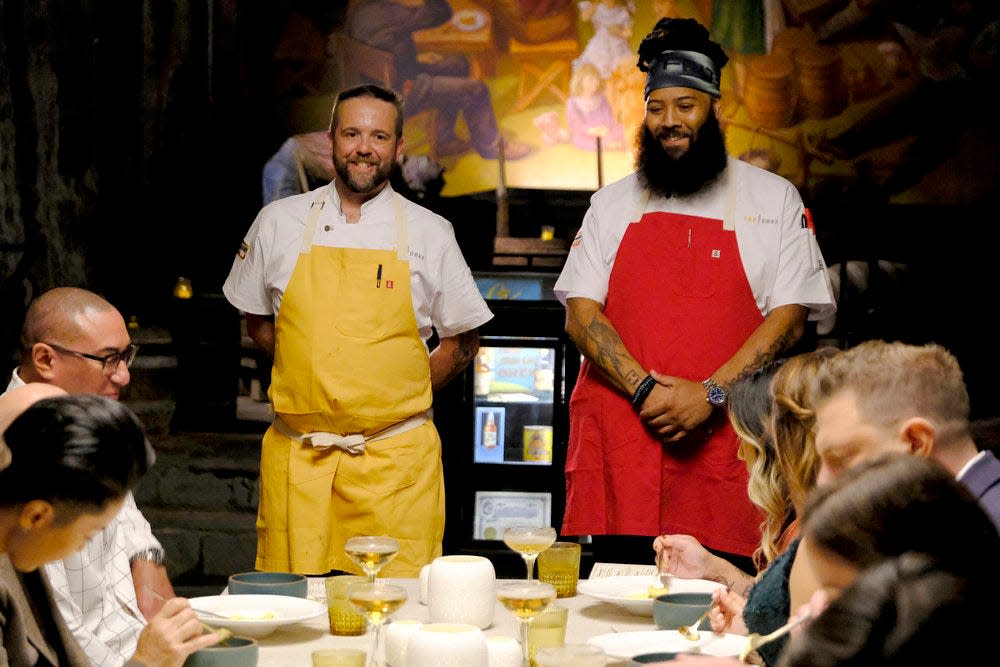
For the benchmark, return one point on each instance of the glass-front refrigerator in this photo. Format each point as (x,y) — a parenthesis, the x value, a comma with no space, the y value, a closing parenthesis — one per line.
(504,422)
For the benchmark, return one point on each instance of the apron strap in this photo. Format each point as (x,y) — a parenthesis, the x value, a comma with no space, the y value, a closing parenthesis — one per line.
(402,239)
(353,443)
(314,210)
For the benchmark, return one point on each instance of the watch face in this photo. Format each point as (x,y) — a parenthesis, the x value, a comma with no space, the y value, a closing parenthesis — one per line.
(716,395)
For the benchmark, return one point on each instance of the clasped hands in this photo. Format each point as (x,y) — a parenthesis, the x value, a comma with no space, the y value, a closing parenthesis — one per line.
(675,408)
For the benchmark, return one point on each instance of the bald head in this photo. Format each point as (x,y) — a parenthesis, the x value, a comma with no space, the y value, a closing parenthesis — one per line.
(59,314)
(66,330)
(16,401)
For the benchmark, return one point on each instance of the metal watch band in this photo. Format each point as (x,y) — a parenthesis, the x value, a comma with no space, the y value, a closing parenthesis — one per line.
(152,554)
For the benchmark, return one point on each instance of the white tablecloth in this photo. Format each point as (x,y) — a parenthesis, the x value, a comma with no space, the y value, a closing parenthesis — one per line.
(292,645)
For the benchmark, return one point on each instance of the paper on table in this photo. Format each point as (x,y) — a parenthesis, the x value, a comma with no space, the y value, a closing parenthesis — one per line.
(621,569)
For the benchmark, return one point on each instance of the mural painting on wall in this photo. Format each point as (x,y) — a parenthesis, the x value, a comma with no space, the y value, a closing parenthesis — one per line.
(820,91)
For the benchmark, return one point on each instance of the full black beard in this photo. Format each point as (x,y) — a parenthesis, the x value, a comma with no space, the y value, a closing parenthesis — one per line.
(665,176)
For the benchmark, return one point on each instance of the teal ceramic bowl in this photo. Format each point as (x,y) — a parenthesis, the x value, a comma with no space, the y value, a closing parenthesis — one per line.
(233,652)
(673,610)
(269,583)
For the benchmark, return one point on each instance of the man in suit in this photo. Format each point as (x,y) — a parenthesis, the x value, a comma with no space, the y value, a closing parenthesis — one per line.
(878,397)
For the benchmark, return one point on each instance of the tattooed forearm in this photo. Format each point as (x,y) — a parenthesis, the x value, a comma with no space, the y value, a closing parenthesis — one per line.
(468,345)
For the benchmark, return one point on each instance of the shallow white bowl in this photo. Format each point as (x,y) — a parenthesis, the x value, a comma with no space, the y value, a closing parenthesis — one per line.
(255,615)
(624,645)
(631,592)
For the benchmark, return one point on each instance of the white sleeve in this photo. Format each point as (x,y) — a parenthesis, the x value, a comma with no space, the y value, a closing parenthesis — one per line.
(588,265)
(97,651)
(457,305)
(135,529)
(246,286)
(802,276)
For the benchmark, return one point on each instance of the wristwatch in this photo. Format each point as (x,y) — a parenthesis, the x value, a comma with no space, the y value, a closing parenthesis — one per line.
(715,393)
(152,554)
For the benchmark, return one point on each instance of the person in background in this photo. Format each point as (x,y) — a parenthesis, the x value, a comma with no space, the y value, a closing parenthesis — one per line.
(690,271)
(352,444)
(432,82)
(904,556)
(883,396)
(66,464)
(878,398)
(76,340)
(779,481)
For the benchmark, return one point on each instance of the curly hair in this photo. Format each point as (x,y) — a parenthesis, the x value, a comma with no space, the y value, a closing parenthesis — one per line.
(673,34)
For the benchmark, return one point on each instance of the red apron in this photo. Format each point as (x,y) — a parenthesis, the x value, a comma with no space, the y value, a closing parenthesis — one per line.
(679,298)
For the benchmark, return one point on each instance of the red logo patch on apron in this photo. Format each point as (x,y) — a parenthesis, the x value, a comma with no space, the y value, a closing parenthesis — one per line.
(388,284)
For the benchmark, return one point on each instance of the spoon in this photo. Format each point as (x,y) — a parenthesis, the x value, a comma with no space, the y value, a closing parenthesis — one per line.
(223,633)
(691,632)
(755,641)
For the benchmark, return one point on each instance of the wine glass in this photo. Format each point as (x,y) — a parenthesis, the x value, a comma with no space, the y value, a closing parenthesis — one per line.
(529,541)
(527,599)
(371,552)
(377,601)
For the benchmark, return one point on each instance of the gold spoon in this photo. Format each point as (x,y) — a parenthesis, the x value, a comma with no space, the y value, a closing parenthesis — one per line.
(755,641)
(691,632)
(223,633)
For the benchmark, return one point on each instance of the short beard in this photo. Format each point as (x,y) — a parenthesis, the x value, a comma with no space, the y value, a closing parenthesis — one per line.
(367,186)
(666,176)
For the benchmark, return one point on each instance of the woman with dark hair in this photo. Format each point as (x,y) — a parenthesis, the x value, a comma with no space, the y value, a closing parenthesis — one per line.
(66,463)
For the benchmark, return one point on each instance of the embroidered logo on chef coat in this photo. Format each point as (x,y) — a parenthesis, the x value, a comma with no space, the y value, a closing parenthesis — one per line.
(244,249)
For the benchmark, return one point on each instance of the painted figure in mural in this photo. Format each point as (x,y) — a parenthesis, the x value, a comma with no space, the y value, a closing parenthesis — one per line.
(686,273)
(612,21)
(343,287)
(441,82)
(588,112)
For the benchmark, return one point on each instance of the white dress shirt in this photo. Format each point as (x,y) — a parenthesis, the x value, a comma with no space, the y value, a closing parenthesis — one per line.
(93,587)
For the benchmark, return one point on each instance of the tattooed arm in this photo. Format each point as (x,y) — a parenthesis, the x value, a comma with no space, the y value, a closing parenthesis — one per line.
(597,340)
(676,405)
(452,355)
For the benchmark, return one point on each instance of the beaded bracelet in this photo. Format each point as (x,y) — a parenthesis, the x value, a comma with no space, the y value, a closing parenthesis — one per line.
(642,391)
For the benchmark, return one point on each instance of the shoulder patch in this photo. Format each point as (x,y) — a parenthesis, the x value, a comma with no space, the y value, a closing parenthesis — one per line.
(244,249)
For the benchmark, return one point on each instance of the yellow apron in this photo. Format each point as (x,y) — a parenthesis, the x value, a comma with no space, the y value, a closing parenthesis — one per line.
(349,366)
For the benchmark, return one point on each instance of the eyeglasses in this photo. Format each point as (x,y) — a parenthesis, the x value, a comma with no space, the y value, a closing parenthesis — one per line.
(109,361)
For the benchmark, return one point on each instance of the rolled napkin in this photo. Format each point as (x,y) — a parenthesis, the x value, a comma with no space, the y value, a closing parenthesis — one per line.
(503,651)
(462,589)
(447,645)
(397,636)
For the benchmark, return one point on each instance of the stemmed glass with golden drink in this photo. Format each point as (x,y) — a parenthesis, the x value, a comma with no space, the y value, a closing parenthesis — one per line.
(377,601)
(529,541)
(527,599)
(371,552)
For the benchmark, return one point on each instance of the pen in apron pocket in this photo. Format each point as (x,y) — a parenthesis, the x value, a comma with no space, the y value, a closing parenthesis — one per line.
(378,276)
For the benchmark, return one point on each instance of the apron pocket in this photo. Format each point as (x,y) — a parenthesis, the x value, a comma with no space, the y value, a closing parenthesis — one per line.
(364,312)
(387,465)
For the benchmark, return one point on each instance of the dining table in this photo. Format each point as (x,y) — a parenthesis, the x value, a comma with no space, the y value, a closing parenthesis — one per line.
(292,645)
(468,33)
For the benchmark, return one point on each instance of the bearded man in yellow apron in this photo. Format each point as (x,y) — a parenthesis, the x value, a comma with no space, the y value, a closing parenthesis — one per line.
(357,278)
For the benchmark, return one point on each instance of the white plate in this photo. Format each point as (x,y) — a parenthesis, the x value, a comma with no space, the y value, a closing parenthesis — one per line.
(255,615)
(469,19)
(624,645)
(622,590)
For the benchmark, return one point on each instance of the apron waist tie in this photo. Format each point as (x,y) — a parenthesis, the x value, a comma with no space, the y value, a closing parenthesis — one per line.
(355,442)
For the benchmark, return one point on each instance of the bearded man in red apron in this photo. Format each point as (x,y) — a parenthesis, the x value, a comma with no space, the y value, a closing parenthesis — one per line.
(361,276)
(688,272)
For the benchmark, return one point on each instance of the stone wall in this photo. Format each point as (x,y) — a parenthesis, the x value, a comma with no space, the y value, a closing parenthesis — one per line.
(201,500)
